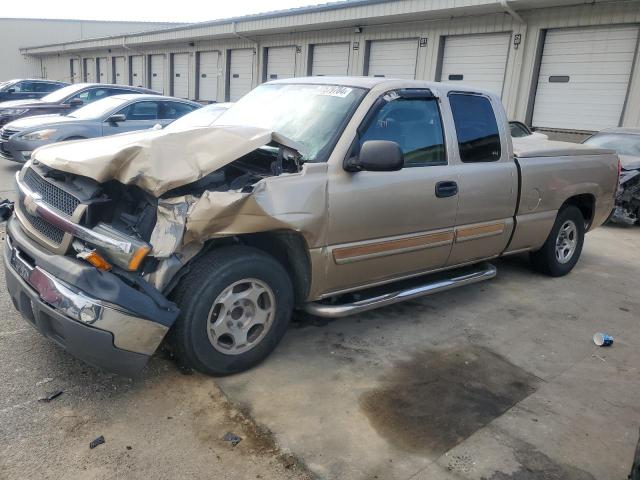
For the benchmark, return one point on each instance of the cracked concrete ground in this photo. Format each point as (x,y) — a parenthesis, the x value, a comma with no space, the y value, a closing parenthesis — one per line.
(496,381)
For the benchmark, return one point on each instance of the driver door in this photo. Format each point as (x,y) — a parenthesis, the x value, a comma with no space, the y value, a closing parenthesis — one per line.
(389,225)
(139,116)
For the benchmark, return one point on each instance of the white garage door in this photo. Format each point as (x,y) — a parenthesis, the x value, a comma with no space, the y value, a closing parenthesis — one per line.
(331,59)
(240,73)
(181,75)
(478,61)
(137,71)
(584,77)
(208,76)
(75,70)
(281,62)
(118,71)
(393,58)
(89,70)
(157,73)
(103,70)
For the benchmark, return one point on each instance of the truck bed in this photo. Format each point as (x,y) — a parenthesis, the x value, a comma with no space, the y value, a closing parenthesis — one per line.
(526,147)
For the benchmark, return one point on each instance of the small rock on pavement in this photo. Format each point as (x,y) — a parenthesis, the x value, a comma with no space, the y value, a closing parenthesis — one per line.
(232,438)
(96,442)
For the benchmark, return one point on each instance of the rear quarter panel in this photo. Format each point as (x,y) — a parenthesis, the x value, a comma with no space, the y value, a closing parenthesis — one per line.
(548,182)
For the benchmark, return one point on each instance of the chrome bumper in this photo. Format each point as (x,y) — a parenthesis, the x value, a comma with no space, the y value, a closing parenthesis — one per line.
(130,333)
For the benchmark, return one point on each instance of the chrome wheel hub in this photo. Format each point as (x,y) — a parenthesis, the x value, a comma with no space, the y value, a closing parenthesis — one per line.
(241,316)
(567,241)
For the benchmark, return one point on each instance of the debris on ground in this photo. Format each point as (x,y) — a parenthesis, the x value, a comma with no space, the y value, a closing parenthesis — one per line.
(232,438)
(96,442)
(602,339)
(51,396)
(43,381)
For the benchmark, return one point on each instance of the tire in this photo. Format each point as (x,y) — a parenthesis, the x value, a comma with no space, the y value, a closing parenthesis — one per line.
(202,339)
(547,260)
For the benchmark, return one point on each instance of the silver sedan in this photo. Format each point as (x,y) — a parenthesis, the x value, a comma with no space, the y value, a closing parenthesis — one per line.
(109,116)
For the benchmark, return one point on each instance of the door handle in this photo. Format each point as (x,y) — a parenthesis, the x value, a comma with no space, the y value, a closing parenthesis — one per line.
(446,189)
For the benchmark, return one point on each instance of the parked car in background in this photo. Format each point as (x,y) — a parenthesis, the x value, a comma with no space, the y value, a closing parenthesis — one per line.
(109,116)
(333,195)
(625,141)
(204,117)
(521,130)
(64,100)
(19,89)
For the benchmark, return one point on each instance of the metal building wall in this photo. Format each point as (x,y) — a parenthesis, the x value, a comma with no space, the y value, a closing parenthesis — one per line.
(16,33)
(520,76)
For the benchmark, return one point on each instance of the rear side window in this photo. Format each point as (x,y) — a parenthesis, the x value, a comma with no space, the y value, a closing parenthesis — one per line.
(414,124)
(173,110)
(476,128)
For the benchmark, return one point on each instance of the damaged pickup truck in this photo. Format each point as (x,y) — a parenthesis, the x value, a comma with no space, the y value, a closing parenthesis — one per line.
(328,195)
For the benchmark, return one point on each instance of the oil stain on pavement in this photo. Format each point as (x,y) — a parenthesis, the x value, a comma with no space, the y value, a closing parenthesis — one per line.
(438,398)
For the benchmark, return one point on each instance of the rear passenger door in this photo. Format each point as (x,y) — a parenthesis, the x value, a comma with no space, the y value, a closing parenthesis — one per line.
(487,178)
(139,116)
(385,225)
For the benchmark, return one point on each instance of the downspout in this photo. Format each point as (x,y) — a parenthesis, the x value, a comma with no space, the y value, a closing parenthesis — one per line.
(507,8)
(235,32)
(256,49)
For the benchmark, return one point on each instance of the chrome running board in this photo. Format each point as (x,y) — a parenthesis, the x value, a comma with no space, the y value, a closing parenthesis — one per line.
(483,271)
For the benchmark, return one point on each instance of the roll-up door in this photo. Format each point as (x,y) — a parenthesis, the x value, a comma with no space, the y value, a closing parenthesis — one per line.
(157,73)
(103,70)
(240,73)
(584,77)
(478,61)
(281,63)
(180,76)
(75,75)
(330,59)
(89,70)
(393,58)
(208,76)
(137,71)
(118,71)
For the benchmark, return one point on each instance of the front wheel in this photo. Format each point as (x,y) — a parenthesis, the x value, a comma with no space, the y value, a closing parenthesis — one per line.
(235,306)
(563,247)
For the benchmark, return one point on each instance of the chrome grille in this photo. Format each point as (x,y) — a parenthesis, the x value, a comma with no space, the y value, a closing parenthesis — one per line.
(44,228)
(51,194)
(5,133)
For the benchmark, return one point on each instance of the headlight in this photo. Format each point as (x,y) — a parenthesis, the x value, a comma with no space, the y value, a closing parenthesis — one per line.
(13,111)
(39,134)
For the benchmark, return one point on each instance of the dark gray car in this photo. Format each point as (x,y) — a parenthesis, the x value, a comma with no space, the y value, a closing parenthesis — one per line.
(64,100)
(109,116)
(21,89)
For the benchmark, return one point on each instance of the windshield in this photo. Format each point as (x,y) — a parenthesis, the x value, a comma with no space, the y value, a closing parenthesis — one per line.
(97,109)
(203,117)
(62,93)
(311,115)
(622,143)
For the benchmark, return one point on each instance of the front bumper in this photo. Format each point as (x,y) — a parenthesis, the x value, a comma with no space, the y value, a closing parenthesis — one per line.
(128,325)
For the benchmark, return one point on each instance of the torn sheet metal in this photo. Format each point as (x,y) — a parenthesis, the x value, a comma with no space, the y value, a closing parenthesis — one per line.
(158,161)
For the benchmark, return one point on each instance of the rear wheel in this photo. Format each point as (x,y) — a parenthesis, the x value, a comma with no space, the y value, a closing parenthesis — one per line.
(235,306)
(563,247)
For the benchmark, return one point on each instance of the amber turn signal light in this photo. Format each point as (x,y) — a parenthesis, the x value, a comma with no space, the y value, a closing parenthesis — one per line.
(95,259)
(138,257)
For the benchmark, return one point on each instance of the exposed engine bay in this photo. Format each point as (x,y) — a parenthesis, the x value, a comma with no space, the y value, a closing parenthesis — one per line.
(627,209)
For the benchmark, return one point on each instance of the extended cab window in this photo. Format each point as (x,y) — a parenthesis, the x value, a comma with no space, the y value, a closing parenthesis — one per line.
(415,125)
(476,127)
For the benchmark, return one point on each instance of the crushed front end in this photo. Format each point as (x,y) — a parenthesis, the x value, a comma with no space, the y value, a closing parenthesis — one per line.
(104,313)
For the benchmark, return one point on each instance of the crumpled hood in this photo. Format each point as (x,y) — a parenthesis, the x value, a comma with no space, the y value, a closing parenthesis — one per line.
(630,162)
(157,161)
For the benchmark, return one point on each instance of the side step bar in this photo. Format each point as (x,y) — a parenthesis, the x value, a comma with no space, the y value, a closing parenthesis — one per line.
(485,271)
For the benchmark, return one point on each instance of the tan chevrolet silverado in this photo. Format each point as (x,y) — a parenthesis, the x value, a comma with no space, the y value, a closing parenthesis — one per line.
(326,195)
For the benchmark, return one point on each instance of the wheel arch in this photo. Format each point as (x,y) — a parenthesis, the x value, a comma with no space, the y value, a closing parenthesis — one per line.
(586,203)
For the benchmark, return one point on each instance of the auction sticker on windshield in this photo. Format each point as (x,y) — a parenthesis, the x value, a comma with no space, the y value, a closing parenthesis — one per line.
(334,90)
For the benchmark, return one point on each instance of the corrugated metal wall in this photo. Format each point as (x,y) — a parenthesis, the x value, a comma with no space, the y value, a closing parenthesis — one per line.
(520,75)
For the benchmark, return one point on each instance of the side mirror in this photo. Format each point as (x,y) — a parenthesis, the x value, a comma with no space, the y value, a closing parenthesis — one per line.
(11,90)
(117,118)
(377,156)
(6,209)
(157,126)
(75,102)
